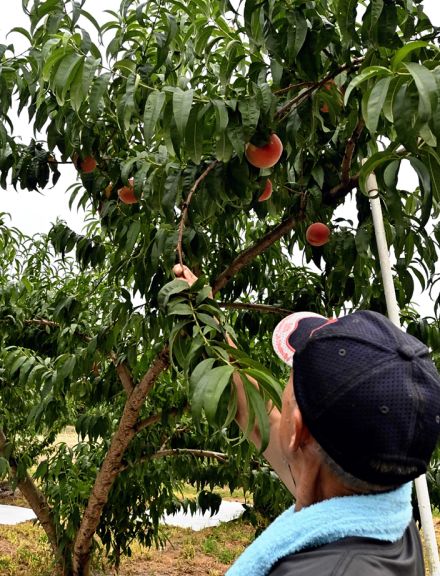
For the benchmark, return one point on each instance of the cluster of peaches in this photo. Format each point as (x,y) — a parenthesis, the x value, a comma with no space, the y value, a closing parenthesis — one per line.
(317,234)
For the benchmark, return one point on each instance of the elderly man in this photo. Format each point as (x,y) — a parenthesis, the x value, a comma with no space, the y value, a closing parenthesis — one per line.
(360,419)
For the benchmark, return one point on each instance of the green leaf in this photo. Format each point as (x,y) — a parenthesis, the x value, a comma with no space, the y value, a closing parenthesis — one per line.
(427,89)
(375,103)
(366,74)
(221,116)
(268,383)
(208,321)
(432,161)
(77,95)
(301,30)
(152,112)
(65,74)
(256,402)
(346,18)
(132,235)
(425,186)
(99,88)
(209,389)
(199,371)
(182,102)
(194,134)
(250,114)
(403,52)
(372,164)
(174,287)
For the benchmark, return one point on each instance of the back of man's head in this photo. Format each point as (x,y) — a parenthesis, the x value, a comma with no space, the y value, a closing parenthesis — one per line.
(368,392)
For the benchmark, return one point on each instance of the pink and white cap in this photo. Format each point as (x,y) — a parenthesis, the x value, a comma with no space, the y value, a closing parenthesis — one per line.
(283,331)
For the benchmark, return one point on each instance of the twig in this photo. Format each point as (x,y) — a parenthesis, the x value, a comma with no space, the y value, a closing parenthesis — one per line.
(147,422)
(252,252)
(124,374)
(265,308)
(292,87)
(282,112)
(341,189)
(186,207)
(178,452)
(349,151)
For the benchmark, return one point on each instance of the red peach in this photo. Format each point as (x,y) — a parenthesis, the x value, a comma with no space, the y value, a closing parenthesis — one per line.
(317,234)
(265,156)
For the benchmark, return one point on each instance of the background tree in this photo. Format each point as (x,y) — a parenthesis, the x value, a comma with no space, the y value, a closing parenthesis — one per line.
(157,115)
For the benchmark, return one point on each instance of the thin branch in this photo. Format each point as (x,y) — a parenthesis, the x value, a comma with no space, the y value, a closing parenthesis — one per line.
(179,452)
(245,257)
(341,190)
(349,151)
(147,422)
(186,207)
(292,87)
(265,308)
(282,112)
(124,374)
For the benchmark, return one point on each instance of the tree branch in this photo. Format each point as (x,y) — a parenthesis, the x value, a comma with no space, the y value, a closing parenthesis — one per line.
(37,502)
(124,374)
(282,112)
(112,462)
(186,207)
(147,422)
(257,307)
(349,151)
(252,252)
(179,452)
(341,190)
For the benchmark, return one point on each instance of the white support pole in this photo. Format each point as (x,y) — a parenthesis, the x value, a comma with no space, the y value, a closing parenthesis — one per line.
(394,315)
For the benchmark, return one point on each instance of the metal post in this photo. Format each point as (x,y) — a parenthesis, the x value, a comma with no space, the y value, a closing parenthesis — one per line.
(394,315)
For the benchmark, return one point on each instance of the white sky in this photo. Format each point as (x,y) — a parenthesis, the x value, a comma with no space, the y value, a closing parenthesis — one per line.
(33,212)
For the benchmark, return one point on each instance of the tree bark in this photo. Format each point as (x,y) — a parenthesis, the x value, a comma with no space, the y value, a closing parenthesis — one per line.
(245,257)
(112,464)
(38,503)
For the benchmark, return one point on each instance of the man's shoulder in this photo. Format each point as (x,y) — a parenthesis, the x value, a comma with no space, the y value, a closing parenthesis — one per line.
(353,556)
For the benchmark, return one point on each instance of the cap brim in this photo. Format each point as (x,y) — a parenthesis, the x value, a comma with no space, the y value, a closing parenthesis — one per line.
(281,339)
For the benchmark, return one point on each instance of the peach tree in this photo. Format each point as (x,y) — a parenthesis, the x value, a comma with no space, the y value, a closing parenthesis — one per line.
(157,105)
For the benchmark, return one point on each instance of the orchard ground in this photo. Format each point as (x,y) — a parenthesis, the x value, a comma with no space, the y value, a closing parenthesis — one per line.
(209,552)
(24,550)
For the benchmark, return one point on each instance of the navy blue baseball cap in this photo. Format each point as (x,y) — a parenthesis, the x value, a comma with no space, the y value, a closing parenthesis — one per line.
(368,392)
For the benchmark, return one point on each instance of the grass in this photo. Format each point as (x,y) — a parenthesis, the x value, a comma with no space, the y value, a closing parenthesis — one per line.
(24,551)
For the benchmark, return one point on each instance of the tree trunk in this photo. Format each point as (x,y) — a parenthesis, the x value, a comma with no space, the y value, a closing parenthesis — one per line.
(111,466)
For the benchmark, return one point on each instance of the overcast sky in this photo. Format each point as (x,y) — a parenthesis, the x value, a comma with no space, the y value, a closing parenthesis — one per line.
(33,212)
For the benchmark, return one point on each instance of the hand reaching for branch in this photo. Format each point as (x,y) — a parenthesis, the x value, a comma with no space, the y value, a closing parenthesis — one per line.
(184,273)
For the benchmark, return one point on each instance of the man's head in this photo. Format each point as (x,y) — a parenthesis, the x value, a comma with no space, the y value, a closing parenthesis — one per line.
(367,391)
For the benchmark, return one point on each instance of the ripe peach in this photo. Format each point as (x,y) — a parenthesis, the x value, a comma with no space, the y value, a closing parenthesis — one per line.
(265,156)
(126,193)
(317,234)
(87,165)
(267,192)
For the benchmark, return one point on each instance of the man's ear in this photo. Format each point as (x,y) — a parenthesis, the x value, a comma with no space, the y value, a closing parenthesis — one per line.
(301,435)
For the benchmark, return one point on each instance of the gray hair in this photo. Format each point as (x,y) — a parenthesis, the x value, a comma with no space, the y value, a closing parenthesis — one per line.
(347,479)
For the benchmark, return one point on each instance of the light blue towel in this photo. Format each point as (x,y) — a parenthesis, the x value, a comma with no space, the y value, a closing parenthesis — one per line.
(381,516)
